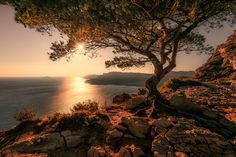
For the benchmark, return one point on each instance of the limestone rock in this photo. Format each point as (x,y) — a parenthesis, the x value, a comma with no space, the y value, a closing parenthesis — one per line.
(115,134)
(135,101)
(210,114)
(40,144)
(222,64)
(93,152)
(160,146)
(121,98)
(139,127)
(136,151)
(124,152)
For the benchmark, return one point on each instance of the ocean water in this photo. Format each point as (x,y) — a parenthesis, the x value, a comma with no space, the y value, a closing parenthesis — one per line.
(46,96)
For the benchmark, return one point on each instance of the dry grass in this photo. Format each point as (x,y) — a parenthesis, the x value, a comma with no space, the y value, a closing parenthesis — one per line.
(25,115)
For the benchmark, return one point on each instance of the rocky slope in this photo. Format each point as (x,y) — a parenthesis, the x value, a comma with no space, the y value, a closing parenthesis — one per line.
(120,131)
(222,64)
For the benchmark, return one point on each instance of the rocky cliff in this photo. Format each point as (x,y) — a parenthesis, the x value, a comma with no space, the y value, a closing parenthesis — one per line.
(222,64)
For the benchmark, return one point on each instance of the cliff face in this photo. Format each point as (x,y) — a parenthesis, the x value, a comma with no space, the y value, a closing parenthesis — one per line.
(222,64)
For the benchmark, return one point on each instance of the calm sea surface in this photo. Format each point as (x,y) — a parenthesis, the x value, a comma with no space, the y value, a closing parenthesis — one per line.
(49,95)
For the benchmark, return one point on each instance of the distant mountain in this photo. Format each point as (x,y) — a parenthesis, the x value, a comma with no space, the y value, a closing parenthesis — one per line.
(130,79)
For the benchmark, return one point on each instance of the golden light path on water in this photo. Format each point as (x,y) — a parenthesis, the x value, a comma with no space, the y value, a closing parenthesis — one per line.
(72,91)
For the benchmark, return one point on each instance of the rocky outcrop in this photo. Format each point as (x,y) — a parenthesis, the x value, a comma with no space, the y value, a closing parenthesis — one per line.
(222,64)
(118,132)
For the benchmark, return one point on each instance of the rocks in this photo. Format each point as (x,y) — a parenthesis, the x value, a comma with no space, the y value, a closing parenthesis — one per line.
(114,134)
(131,151)
(222,64)
(160,146)
(129,101)
(137,152)
(135,102)
(124,152)
(161,125)
(120,133)
(121,98)
(93,152)
(43,143)
(210,114)
(180,102)
(138,127)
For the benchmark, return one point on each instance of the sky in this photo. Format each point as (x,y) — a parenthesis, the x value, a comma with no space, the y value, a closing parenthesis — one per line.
(23,53)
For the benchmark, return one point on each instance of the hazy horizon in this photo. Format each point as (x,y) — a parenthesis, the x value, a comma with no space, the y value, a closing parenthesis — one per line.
(23,53)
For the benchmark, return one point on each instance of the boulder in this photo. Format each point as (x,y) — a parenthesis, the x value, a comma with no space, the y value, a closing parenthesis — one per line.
(160,146)
(137,126)
(136,151)
(180,102)
(93,152)
(121,98)
(135,101)
(45,143)
(115,134)
(124,152)
(161,125)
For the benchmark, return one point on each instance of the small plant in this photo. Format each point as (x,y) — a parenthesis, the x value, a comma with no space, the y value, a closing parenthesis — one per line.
(25,115)
(72,121)
(88,105)
(142,91)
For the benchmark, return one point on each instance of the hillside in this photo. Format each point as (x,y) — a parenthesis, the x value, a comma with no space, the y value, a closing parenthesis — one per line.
(222,64)
(130,79)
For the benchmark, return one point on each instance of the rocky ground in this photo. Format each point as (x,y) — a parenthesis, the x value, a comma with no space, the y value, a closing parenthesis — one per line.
(119,132)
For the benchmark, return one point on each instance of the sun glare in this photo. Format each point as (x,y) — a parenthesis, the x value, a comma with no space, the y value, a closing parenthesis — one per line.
(80,47)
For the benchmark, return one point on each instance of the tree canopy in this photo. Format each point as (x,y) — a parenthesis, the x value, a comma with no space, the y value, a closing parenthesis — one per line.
(139,31)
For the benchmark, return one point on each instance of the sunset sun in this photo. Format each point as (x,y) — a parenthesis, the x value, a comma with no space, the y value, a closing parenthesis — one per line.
(80,47)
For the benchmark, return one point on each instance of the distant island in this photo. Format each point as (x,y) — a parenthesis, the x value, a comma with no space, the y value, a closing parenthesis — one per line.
(130,79)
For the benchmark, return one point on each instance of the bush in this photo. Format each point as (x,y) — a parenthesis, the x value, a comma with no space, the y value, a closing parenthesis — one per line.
(142,91)
(175,83)
(25,115)
(71,121)
(88,105)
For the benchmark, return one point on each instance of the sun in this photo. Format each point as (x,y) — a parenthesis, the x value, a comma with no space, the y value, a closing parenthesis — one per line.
(80,47)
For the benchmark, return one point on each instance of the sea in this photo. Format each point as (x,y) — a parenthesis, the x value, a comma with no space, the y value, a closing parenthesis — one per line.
(47,95)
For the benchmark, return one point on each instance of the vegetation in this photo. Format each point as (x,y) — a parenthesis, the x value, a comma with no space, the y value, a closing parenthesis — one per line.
(25,115)
(139,31)
(72,121)
(88,105)
(142,91)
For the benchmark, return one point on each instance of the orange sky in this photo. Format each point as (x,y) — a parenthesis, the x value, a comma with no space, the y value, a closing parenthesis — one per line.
(23,53)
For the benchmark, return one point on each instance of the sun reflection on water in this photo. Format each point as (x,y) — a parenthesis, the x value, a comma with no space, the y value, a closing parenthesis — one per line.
(79,85)
(72,91)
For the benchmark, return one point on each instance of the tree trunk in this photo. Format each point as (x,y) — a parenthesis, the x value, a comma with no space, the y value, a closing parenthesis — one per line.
(160,105)
(152,83)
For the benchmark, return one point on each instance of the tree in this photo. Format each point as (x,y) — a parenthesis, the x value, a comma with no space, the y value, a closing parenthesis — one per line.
(139,31)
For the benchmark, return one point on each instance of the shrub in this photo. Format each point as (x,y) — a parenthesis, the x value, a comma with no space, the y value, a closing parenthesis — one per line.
(175,83)
(88,105)
(72,121)
(142,91)
(25,115)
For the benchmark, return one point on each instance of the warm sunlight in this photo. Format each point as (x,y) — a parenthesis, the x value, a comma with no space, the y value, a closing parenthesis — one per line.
(80,47)
(118,78)
(79,84)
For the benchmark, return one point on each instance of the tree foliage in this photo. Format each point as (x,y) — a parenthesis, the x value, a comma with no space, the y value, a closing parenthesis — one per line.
(139,31)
